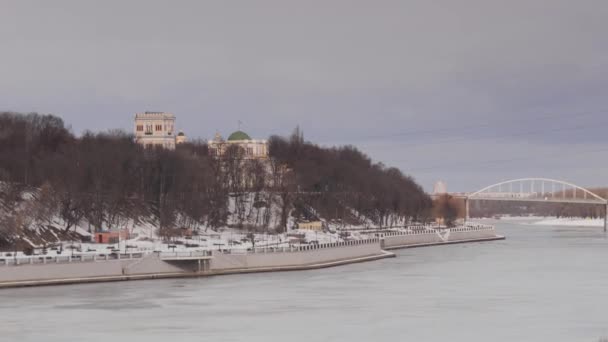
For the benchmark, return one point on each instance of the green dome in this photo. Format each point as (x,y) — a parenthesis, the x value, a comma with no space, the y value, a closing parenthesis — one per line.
(239,135)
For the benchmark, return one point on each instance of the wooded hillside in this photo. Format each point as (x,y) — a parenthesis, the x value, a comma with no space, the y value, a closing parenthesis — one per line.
(106,180)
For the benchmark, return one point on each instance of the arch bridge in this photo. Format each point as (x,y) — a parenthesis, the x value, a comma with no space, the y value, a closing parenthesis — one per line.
(537,190)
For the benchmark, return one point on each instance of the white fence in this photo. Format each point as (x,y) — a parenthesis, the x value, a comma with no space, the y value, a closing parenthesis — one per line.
(310,247)
(192,254)
(467,228)
(45,259)
(472,227)
(62,259)
(382,229)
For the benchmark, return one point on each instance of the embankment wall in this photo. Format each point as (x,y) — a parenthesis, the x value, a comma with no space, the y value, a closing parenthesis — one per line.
(152,266)
(64,270)
(296,257)
(149,264)
(304,257)
(405,239)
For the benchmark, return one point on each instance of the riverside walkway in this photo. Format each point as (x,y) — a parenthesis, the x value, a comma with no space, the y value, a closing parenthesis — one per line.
(54,270)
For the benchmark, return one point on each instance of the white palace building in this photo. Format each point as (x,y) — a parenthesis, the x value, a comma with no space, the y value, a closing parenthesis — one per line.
(252,149)
(157,129)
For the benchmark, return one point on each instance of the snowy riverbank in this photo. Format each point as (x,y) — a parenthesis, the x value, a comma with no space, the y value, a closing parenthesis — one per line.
(46,270)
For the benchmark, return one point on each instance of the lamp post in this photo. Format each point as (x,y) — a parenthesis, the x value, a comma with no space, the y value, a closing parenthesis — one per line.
(606,217)
(466,210)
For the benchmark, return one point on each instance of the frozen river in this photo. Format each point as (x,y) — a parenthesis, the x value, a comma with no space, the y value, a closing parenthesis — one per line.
(541,284)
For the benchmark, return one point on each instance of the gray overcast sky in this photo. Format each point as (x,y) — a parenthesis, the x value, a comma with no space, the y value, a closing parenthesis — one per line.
(470,91)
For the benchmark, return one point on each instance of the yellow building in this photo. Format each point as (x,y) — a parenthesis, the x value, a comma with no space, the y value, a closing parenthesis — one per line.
(253,149)
(311,225)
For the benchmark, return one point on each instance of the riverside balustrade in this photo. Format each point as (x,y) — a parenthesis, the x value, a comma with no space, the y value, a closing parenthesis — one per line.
(468,228)
(429,226)
(62,259)
(187,254)
(473,227)
(302,248)
(45,259)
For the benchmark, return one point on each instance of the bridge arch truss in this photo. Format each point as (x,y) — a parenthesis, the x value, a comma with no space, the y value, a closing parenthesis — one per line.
(538,190)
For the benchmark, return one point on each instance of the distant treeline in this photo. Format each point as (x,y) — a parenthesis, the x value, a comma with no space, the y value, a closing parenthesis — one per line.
(106,179)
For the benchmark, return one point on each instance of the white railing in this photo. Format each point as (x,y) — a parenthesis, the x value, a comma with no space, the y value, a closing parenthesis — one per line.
(193,254)
(302,248)
(473,227)
(62,259)
(429,226)
(45,259)
(467,228)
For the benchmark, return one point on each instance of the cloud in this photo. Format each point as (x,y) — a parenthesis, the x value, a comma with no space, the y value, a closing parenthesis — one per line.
(353,72)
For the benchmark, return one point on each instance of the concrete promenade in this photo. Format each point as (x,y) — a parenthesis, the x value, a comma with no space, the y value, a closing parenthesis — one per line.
(161,265)
(454,242)
(437,237)
(149,276)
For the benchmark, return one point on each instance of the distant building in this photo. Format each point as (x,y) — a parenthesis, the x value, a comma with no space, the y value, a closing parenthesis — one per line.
(157,129)
(111,236)
(440,188)
(253,149)
(312,225)
(180,138)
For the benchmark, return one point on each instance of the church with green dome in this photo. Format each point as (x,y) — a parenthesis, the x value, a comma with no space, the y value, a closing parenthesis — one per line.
(252,148)
(239,136)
